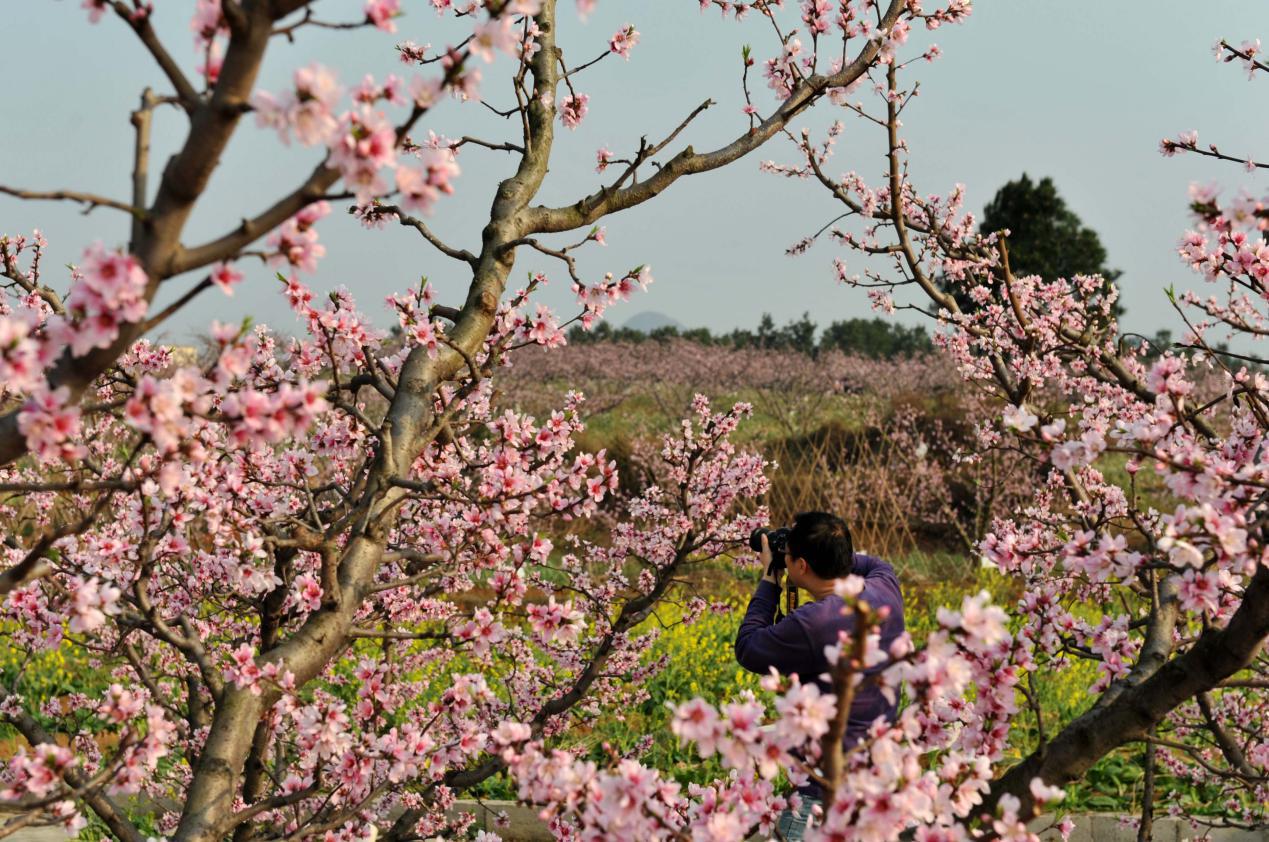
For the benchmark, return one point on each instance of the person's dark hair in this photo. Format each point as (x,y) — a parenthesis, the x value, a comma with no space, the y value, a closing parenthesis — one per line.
(823,539)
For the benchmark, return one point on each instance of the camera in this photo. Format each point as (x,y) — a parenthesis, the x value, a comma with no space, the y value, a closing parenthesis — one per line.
(777,540)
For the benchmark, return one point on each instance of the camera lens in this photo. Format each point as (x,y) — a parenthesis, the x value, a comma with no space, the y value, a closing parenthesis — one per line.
(777,540)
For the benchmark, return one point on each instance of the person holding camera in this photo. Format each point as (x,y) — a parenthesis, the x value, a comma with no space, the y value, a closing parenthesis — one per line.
(815,553)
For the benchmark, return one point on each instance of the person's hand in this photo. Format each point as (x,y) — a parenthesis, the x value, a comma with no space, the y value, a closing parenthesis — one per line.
(765,557)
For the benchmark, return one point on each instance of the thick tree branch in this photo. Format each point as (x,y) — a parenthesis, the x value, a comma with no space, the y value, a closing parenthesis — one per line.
(313,189)
(1217,654)
(142,119)
(1165,613)
(607,200)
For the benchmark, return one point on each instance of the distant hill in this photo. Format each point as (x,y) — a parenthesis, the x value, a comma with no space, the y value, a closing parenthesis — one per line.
(650,320)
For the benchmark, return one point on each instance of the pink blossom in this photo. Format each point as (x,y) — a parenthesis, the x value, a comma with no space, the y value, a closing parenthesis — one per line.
(573,109)
(244,672)
(421,189)
(295,243)
(426,336)
(1200,591)
(308,591)
(39,772)
(496,35)
(544,329)
(111,290)
(96,8)
(307,110)
(225,276)
(624,41)
(848,587)
(555,622)
(697,722)
(483,631)
(120,705)
(882,301)
(21,366)
(93,601)
(510,733)
(1019,418)
(51,425)
(382,12)
(425,91)
(805,712)
(365,143)
(1045,793)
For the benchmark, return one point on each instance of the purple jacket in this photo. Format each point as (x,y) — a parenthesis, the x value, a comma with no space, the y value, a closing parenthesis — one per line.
(795,645)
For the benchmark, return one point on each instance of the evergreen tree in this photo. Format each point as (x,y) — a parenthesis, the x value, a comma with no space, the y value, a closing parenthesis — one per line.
(1046,238)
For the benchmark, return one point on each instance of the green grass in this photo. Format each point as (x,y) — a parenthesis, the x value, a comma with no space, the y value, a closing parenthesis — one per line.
(641,414)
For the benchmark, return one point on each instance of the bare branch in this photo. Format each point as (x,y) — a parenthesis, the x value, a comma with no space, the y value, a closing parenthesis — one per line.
(288,31)
(91,201)
(1229,747)
(313,189)
(418,224)
(167,311)
(505,146)
(187,96)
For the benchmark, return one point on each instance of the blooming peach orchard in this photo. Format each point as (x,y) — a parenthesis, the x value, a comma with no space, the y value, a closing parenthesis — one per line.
(264,552)
(319,573)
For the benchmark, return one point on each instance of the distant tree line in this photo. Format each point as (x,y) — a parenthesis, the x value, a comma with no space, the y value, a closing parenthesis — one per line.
(1046,238)
(873,338)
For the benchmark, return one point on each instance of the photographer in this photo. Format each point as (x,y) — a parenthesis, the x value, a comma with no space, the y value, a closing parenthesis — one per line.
(816,552)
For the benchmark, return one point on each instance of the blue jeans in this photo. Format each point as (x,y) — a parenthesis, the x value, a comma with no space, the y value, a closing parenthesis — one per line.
(792,823)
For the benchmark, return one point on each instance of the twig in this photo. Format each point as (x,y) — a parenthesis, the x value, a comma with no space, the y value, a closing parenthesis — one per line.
(167,311)
(187,97)
(418,225)
(91,200)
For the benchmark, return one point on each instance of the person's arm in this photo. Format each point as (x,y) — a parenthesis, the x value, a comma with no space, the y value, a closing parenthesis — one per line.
(881,584)
(762,643)
(866,565)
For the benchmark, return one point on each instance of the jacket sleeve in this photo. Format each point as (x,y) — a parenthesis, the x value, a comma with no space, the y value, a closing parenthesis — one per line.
(881,585)
(762,643)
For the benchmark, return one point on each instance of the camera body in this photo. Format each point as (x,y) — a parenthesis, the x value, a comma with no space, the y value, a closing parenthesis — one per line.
(777,540)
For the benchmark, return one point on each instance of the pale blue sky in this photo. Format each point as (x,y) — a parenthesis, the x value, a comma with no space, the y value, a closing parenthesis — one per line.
(1081,90)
